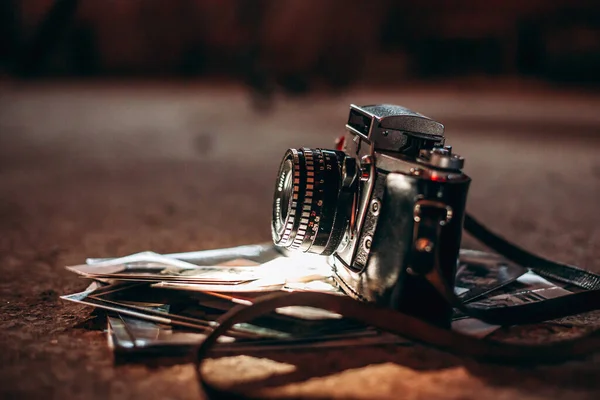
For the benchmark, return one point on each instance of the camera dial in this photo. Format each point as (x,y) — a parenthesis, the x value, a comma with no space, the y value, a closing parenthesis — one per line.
(442,158)
(313,200)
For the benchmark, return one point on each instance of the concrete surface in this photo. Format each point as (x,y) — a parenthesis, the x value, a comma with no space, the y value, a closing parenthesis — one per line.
(109,169)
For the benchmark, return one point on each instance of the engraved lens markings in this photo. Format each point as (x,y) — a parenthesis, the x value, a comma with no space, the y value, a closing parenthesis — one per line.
(306,223)
(309,166)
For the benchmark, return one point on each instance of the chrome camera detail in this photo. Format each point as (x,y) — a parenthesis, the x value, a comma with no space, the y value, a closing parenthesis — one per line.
(392,195)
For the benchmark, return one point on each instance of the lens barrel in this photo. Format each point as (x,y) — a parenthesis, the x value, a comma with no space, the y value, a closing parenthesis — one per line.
(311,205)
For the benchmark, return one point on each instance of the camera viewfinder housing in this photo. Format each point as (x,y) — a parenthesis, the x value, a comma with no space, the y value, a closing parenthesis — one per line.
(394,128)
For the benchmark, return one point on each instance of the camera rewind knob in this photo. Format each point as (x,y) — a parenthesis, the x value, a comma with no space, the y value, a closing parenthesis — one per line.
(441,158)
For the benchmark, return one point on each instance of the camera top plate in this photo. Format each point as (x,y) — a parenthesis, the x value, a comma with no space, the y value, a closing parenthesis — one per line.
(388,127)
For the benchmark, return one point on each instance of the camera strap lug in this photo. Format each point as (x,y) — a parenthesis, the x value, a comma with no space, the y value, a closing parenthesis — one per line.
(429,218)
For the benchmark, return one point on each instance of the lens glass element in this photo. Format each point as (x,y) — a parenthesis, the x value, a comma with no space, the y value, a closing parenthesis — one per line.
(283,193)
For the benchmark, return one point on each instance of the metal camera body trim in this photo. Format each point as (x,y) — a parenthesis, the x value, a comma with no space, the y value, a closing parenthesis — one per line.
(389,203)
(377,146)
(372,263)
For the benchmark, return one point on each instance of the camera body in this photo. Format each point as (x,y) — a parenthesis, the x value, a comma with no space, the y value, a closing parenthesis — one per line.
(386,207)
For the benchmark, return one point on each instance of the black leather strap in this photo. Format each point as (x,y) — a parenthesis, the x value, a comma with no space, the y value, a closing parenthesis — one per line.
(529,313)
(541,266)
(558,307)
(420,331)
(395,322)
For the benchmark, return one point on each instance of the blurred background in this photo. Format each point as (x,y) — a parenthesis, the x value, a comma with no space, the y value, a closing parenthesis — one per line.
(297,44)
(132,125)
(116,115)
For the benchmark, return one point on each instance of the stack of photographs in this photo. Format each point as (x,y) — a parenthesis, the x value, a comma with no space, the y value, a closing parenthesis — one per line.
(165,305)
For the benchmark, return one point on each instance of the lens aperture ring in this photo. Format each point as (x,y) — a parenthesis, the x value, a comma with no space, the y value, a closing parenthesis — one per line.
(324,205)
(304,212)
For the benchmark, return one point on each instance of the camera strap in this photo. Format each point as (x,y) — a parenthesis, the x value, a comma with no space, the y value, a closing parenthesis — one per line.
(420,331)
(574,303)
(541,266)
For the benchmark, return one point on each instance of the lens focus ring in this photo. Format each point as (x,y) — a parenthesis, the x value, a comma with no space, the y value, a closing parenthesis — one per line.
(307,215)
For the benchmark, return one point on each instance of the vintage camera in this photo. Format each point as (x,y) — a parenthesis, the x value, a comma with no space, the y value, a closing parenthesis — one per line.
(386,206)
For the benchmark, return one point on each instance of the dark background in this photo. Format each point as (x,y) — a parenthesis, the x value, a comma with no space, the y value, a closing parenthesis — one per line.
(301,43)
(132,125)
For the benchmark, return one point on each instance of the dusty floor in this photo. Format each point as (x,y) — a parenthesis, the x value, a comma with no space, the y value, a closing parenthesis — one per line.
(107,169)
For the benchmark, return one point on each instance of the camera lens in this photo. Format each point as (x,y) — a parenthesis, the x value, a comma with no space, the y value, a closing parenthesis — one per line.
(313,200)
